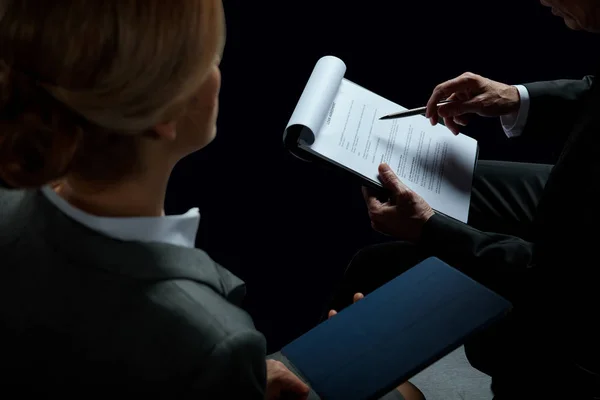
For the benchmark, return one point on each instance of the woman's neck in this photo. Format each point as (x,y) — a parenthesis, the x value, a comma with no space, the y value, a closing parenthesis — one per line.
(130,198)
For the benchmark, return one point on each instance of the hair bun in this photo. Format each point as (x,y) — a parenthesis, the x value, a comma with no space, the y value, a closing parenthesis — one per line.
(37,137)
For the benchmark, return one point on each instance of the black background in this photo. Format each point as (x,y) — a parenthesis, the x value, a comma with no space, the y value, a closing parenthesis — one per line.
(288,228)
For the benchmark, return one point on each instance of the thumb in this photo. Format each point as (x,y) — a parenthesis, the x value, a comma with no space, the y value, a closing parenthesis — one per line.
(456,108)
(293,384)
(390,180)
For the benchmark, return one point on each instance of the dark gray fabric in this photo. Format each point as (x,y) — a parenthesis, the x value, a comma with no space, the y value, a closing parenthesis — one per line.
(505,196)
(80,309)
(393,395)
(555,107)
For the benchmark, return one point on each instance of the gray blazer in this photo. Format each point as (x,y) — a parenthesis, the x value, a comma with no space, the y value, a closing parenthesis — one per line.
(81,309)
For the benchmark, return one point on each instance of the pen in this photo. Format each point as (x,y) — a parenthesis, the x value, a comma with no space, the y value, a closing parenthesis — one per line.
(410,113)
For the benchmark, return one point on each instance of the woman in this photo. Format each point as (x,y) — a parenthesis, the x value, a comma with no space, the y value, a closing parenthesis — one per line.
(99,101)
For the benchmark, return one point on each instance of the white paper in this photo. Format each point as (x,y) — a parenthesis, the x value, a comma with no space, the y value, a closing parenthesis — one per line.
(322,87)
(429,159)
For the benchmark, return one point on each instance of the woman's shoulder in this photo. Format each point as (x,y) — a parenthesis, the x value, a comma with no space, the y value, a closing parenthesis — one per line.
(195,324)
(198,307)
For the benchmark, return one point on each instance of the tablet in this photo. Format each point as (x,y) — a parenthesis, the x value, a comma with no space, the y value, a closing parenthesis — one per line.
(372,346)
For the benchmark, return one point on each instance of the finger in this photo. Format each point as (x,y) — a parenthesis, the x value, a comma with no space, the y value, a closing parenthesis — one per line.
(295,385)
(458,107)
(460,96)
(291,383)
(372,202)
(450,124)
(331,313)
(445,90)
(303,396)
(357,297)
(461,120)
(457,96)
(390,180)
(434,119)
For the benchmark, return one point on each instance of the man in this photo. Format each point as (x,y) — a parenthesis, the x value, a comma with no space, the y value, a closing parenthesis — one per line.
(542,254)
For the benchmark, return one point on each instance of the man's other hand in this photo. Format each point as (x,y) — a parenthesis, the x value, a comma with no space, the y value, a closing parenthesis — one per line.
(403,215)
(471,94)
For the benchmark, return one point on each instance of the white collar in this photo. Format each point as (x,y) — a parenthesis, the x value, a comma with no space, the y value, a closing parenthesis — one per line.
(179,230)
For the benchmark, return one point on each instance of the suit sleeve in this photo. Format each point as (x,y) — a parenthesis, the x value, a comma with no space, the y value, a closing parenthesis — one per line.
(506,264)
(501,262)
(235,369)
(554,106)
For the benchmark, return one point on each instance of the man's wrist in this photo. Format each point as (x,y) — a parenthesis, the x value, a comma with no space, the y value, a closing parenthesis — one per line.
(515,100)
(425,218)
(513,124)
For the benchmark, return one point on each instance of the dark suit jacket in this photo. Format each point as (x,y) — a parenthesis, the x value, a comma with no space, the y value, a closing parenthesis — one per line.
(80,309)
(551,278)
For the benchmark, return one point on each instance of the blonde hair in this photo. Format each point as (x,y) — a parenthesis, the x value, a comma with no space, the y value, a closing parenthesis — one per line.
(81,79)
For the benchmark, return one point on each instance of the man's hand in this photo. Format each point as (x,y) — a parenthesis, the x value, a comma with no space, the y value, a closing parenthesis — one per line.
(403,215)
(472,94)
(282,382)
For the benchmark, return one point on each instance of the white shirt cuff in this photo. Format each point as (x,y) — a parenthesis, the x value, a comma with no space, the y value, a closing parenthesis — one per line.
(513,124)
